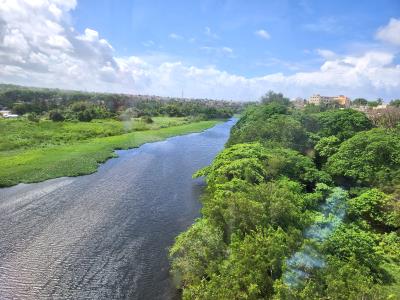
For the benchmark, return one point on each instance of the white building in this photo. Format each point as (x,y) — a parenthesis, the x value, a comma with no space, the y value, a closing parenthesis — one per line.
(317,99)
(7,114)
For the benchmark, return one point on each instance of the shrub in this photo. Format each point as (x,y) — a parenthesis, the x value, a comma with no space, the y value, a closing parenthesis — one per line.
(56,116)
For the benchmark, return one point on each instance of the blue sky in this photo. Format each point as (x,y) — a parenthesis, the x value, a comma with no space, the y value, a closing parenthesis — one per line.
(296,29)
(213,48)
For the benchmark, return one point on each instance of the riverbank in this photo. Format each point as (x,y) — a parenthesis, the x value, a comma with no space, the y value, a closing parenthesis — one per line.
(105,235)
(79,158)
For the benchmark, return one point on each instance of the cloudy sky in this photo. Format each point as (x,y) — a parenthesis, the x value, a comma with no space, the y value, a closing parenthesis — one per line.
(212,48)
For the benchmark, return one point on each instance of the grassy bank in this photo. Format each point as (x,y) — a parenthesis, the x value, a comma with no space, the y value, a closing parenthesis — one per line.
(51,150)
(22,134)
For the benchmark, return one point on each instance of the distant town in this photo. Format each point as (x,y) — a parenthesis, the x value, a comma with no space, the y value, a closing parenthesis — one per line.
(14,96)
(340,101)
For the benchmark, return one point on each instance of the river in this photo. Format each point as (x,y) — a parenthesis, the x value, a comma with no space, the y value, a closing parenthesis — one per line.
(105,235)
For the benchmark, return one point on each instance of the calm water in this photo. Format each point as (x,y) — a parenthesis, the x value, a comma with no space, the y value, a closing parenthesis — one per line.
(104,235)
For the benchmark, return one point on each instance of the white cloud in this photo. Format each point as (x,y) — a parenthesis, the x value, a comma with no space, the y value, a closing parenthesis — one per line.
(148,43)
(325,53)
(262,34)
(209,33)
(227,50)
(175,36)
(59,41)
(390,33)
(39,47)
(90,35)
(219,51)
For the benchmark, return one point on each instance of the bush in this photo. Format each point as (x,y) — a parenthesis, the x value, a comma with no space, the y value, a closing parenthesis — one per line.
(32,117)
(147,119)
(56,116)
(85,116)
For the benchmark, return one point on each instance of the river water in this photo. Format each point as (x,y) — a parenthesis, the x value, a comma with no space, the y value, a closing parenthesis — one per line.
(105,235)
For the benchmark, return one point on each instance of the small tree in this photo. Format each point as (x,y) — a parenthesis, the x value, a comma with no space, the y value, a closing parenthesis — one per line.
(147,119)
(56,116)
(271,96)
(33,117)
(359,101)
(85,116)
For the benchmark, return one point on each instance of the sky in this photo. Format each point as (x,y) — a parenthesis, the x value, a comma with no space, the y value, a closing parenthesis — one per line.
(220,49)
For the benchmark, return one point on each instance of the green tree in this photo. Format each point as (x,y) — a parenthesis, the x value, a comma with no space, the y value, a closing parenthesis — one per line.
(254,164)
(21,108)
(359,101)
(395,102)
(272,97)
(368,158)
(376,207)
(254,118)
(326,147)
(33,117)
(350,242)
(56,116)
(279,129)
(342,123)
(242,161)
(196,253)
(249,271)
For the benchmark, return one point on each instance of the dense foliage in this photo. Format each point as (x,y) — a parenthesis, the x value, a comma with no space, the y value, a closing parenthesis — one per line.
(299,205)
(85,106)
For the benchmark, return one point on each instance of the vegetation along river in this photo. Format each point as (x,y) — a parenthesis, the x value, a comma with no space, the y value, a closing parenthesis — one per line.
(105,235)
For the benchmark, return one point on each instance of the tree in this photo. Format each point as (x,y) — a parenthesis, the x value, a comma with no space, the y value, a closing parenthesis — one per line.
(373,103)
(147,119)
(196,253)
(85,116)
(254,164)
(377,208)
(368,158)
(33,117)
(349,241)
(279,129)
(285,131)
(348,280)
(342,123)
(339,280)
(21,108)
(242,161)
(249,271)
(395,102)
(326,147)
(359,102)
(272,97)
(253,118)
(56,116)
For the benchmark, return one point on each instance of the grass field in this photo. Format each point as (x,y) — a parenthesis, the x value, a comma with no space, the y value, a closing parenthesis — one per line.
(32,152)
(22,134)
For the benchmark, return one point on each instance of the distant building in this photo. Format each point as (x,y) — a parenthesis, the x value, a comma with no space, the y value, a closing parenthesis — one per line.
(299,102)
(317,99)
(362,108)
(381,106)
(342,100)
(7,114)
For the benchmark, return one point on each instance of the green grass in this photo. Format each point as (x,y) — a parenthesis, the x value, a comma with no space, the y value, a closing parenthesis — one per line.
(49,150)
(22,134)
